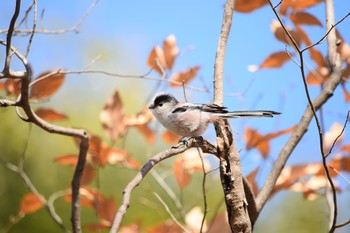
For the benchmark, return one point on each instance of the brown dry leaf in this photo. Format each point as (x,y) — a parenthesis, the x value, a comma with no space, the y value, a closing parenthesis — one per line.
(275,60)
(297,4)
(182,176)
(30,203)
(12,87)
(114,155)
(340,164)
(303,36)
(169,137)
(252,182)
(170,51)
(70,160)
(262,142)
(97,227)
(318,77)
(246,6)
(318,57)
(112,117)
(89,175)
(301,17)
(143,117)
(333,134)
(345,148)
(2,86)
(132,163)
(50,115)
(149,134)
(47,86)
(105,207)
(184,76)
(156,54)
(281,35)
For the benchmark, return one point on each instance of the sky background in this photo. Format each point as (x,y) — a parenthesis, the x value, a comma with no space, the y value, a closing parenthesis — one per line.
(121,34)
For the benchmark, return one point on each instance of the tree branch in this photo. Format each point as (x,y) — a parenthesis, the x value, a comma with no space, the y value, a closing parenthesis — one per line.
(181,147)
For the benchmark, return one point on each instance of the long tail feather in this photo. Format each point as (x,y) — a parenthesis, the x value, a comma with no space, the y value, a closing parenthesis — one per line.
(255,113)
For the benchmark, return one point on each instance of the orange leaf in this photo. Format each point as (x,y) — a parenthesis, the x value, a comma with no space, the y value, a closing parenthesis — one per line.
(251,180)
(317,77)
(30,203)
(184,76)
(112,117)
(301,17)
(49,114)
(182,176)
(303,36)
(156,54)
(2,86)
(114,155)
(67,160)
(317,56)
(170,51)
(141,118)
(262,143)
(97,227)
(246,6)
(131,163)
(89,175)
(297,4)
(281,35)
(147,132)
(275,60)
(50,82)
(105,208)
(12,87)
(170,137)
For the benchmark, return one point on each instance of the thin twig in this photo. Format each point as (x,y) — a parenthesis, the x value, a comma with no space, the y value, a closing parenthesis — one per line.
(204,191)
(171,214)
(35,3)
(181,147)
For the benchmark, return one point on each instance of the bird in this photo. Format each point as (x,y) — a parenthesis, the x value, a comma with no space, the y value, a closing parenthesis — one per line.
(192,120)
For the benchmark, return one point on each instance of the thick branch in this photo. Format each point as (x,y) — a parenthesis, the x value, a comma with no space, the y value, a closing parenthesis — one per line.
(181,147)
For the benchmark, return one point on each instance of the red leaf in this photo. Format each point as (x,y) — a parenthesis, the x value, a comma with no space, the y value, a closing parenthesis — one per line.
(105,208)
(275,60)
(89,175)
(50,115)
(112,117)
(170,137)
(50,82)
(12,86)
(156,54)
(246,6)
(67,159)
(30,203)
(170,51)
(184,76)
(182,176)
(301,17)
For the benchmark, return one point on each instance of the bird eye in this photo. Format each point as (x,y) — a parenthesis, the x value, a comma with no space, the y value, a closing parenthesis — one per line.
(160,104)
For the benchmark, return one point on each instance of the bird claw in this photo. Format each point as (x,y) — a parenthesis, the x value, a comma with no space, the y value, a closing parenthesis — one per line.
(185,141)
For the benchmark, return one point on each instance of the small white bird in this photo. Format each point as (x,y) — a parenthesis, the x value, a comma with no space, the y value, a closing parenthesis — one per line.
(191,120)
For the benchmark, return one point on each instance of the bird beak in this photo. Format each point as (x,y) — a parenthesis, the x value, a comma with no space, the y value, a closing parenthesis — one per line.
(151,106)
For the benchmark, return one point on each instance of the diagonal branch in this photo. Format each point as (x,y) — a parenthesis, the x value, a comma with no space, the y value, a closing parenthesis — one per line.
(180,148)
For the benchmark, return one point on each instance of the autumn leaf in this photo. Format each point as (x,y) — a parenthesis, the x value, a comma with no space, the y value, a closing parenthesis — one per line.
(113,155)
(156,54)
(167,226)
(275,60)
(112,117)
(182,176)
(46,84)
(318,58)
(184,76)
(193,217)
(170,51)
(318,77)
(12,87)
(333,134)
(97,227)
(297,5)
(2,86)
(149,134)
(254,139)
(170,138)
(70,159)
(50,115)
(89,174)
(281,35)
(345,93)
(30,203)
(105,207)
(246,6)
(251,180)
(301,17)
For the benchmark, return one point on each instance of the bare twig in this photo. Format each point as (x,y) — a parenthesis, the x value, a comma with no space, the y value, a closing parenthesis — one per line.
(171,214)
(204,191)
(181,147)
(6,69)
(32,188)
